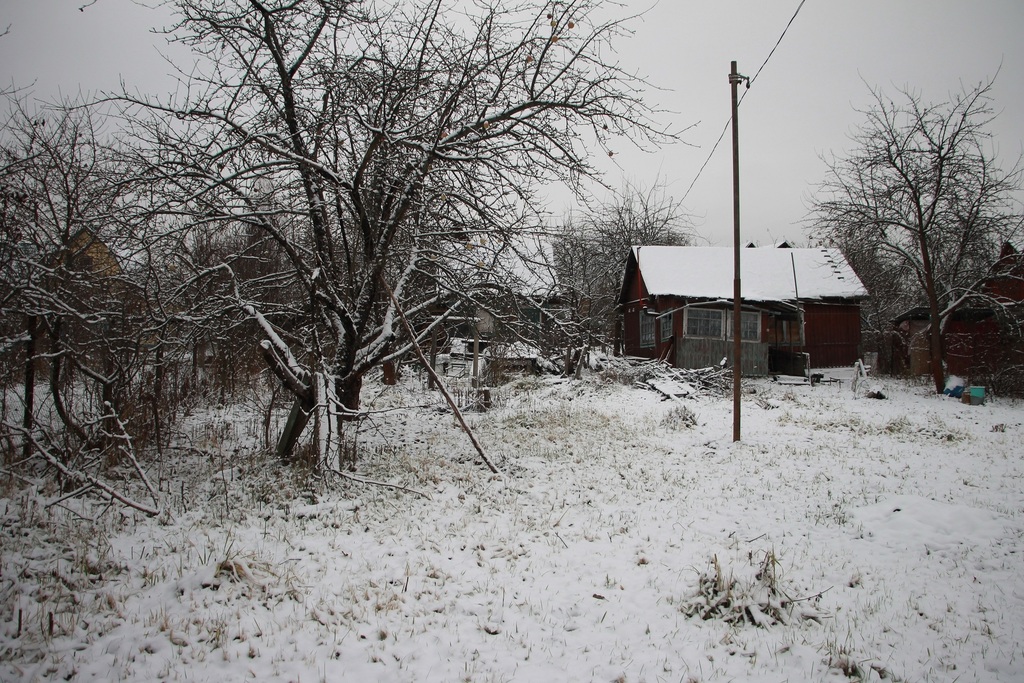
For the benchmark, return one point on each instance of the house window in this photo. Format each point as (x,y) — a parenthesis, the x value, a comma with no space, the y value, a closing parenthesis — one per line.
(703,322)
(646,330)
(750,326)
(666,327)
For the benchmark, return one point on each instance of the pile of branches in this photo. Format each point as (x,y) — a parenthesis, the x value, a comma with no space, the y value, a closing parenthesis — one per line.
(716,379)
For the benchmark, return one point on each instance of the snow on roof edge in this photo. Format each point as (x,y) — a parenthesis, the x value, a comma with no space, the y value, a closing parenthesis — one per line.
(767,274)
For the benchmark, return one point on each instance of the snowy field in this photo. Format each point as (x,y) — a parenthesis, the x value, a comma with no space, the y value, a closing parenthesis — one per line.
(844,538)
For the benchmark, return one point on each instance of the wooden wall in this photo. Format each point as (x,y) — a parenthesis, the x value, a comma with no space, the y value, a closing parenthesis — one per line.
(701,352)
(832,334)
(832,337)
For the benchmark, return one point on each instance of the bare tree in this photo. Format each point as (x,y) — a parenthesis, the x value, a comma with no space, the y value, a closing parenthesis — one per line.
(920,199)
(69,303)
(592,248)
(892,294)
(370,144)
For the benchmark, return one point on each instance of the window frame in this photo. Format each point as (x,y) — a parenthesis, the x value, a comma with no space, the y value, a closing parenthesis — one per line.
(690,315)
(646,330)
(745,318)
(665,326)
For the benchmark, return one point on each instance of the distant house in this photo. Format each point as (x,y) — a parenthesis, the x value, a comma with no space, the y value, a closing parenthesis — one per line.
(86,253)
(982,338)
(87,274)
(516,297)
(800,307)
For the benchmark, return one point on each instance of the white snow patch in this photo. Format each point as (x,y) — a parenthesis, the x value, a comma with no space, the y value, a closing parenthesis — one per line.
(574,565)
(908,521)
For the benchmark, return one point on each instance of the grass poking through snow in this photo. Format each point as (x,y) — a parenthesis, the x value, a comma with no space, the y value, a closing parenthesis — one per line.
(628,538)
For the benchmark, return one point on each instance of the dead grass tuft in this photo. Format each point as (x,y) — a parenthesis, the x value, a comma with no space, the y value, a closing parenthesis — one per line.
(759,601)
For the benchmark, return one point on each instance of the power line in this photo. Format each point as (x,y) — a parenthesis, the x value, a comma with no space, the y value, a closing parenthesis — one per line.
(779,41)
(750,82)
(705,164)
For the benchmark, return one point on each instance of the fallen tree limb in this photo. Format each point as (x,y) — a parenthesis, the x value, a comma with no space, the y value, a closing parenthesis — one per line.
(437,380)
(84,480)
(374,482)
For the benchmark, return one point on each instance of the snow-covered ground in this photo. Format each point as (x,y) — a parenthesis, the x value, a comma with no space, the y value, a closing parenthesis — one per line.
(879,539)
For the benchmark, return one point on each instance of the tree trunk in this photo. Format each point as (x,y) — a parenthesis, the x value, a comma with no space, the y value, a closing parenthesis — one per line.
(580,361)
(433,359)
(32,327)
(935,349)
(390,374)
(347,390)
(935,328)
(110,410)
(298,418)
(476,356)
(56,379)
(158,395)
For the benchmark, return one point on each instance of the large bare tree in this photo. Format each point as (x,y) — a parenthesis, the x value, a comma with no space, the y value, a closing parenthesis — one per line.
(376,145)
(920,200)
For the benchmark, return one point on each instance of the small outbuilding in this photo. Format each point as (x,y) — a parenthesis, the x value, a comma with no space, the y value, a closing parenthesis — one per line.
(800,307)
(982,339)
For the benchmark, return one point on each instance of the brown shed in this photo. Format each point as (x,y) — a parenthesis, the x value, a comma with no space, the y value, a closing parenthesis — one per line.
(981,339)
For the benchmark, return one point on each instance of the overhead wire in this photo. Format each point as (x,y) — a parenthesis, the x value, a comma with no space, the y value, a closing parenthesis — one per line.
(750,81)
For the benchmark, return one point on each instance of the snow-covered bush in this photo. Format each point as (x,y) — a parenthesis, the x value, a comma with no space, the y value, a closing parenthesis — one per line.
(759,600)
(680,416)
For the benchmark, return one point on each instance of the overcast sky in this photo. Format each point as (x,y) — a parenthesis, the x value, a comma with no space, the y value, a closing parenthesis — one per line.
(801,106)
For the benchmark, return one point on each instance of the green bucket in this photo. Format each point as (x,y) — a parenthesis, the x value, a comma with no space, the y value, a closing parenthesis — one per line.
(977,396)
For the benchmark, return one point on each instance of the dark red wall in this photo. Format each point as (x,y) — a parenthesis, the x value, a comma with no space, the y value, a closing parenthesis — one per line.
(832,334)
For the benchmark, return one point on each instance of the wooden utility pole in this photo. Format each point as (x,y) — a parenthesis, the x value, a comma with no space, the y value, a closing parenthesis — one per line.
(737,344)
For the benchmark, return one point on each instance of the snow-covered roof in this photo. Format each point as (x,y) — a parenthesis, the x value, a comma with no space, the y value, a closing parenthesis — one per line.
(767,274)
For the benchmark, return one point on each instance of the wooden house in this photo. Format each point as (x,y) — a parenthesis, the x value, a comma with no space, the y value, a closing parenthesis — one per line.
(86,253)
(800,307)
(515,297)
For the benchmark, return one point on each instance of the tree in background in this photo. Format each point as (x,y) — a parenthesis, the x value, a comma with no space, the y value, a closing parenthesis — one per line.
(591,250)
(919,206)
(74,331)
(372,146)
